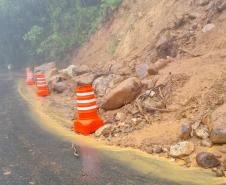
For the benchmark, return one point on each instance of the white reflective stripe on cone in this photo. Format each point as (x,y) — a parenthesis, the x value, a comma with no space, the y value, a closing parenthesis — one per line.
(85,94)
(86,101)
(87,108)
(41,81)
(40,78)
(41,85)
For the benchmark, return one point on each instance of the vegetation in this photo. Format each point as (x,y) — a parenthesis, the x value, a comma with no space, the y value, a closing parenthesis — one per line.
(44,30)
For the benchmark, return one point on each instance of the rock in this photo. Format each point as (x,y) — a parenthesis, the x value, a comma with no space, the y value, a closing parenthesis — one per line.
(148,104)
(84,79)
(202,132)
(157,149)
(120,116)
(142,70)
(181,149)
(102,83)
(49,74)
(203,2)
(220,172)
(185,131)
(224,163)
(149,84)
(166,46)
(208,28)
(55,85)
(149,149)
(222,149)
(59,87)
(206,143)
(218,135)
(207,160)
(152,70)
(222,6)
(123,94)
(103,131)
(161,63)
(207,120)
(45,67)
(73,70)
(188,161)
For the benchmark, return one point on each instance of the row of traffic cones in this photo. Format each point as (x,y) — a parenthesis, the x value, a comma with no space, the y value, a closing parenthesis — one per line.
(42,87)
(87,121)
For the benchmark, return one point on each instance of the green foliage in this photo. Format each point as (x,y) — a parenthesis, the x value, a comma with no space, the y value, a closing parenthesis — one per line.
(48,29)
(34,34)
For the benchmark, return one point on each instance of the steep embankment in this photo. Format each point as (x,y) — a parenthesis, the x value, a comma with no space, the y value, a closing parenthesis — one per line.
(176,50)
(192,85)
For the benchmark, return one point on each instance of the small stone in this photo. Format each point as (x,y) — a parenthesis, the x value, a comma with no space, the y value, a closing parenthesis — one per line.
(220,172)
(103,131)
(202,132)
(157,149)
(203,2)
(208,28)
(224,164)
(223,149)
(207,160)
(185,131)
(206,143)
(188,161)
(149,150)
(218,135)
(222,6)
(120,116)
(181,149)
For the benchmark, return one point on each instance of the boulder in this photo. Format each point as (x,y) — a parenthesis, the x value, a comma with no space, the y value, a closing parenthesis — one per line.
(185,131)
(73,70)
(49,74)
(207,160)
(202,132)
(84,79)
(102,83)
(103,131)
(59,87)
(181,149)
(124,93)
(57,83)
(218,135)
(166,46)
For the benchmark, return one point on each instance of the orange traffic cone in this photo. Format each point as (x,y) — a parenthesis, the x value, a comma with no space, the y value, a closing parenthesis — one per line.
(30,78)
(42,88)
(88,120)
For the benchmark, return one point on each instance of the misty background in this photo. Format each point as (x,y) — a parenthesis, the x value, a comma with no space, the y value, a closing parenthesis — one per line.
(37,31)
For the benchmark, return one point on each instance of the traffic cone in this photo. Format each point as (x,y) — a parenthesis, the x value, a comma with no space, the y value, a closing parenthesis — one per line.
(30,77)
(42,88)
(88,120)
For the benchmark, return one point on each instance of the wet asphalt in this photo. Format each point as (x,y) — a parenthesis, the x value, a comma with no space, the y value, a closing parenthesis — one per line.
(31,156)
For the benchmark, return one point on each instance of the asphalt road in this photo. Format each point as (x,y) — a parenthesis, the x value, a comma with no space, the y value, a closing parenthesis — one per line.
(30,155)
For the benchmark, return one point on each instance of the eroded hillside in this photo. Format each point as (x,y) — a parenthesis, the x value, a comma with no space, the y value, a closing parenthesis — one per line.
(159,69)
